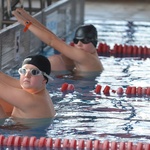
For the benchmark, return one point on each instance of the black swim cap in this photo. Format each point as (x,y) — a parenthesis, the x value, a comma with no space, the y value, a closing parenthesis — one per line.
(88,32)
(41,62)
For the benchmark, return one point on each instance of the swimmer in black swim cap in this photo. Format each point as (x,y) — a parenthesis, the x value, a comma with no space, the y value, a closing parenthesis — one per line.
(41,62)
(79,57)
(86,34)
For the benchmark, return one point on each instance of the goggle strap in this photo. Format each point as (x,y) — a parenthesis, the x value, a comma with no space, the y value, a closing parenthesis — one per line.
(49,77)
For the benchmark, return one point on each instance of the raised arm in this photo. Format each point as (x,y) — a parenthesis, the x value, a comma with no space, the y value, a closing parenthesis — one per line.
(29,18)
(10,90)
(9,80)
(47,36)
(13,95)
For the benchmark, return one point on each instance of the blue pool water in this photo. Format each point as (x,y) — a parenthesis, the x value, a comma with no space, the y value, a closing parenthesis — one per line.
(86,115)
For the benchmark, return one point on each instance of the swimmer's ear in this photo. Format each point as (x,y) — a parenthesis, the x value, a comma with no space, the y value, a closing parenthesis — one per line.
(45,80)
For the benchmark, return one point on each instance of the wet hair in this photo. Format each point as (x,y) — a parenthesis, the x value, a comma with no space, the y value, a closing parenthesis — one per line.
(41,62)
(88,32)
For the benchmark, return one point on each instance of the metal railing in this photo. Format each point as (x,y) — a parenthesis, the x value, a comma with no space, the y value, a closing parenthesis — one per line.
(7,6)
(61,17)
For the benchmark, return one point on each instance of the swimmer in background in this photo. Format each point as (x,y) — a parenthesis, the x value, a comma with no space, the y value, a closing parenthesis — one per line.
(82,57)
(28,97)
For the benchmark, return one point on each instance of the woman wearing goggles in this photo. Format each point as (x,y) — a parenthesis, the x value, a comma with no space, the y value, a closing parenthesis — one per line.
(82,57)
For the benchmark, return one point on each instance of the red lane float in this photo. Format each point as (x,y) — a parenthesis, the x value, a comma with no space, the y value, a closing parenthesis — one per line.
(70,88)
(129,91)
(71,43)
(64,87)
(18,141)
(120,91)
(103,49)
(120,50)
(98,89)
(106,90)
(67,87)
(130,51)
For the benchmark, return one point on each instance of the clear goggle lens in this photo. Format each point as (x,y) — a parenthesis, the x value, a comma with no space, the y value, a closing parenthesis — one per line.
(33,72)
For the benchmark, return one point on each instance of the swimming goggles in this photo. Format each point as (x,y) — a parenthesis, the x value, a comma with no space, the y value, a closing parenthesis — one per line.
(33,72)
(84,41)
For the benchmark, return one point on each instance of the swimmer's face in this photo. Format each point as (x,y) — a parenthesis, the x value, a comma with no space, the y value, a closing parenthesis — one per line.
(29,82)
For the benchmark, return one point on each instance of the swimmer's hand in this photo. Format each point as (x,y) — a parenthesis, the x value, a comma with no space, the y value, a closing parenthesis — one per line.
(22,16)
(21,19)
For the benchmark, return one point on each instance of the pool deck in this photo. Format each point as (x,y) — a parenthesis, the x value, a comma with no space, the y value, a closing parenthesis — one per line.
(130,10)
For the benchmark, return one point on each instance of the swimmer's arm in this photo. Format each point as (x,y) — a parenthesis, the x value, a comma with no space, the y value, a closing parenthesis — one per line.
(16,97)
(50,38)
(22,16)
(68,62)
(68,52)
(9,80)
(28,17)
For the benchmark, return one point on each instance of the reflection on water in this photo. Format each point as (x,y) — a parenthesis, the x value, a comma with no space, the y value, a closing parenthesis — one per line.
(29,127)
(122,32)
(84,114)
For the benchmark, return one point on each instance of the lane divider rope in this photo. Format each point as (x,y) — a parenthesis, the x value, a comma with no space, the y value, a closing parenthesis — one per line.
(120,50)
(18,141)
(130,91)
